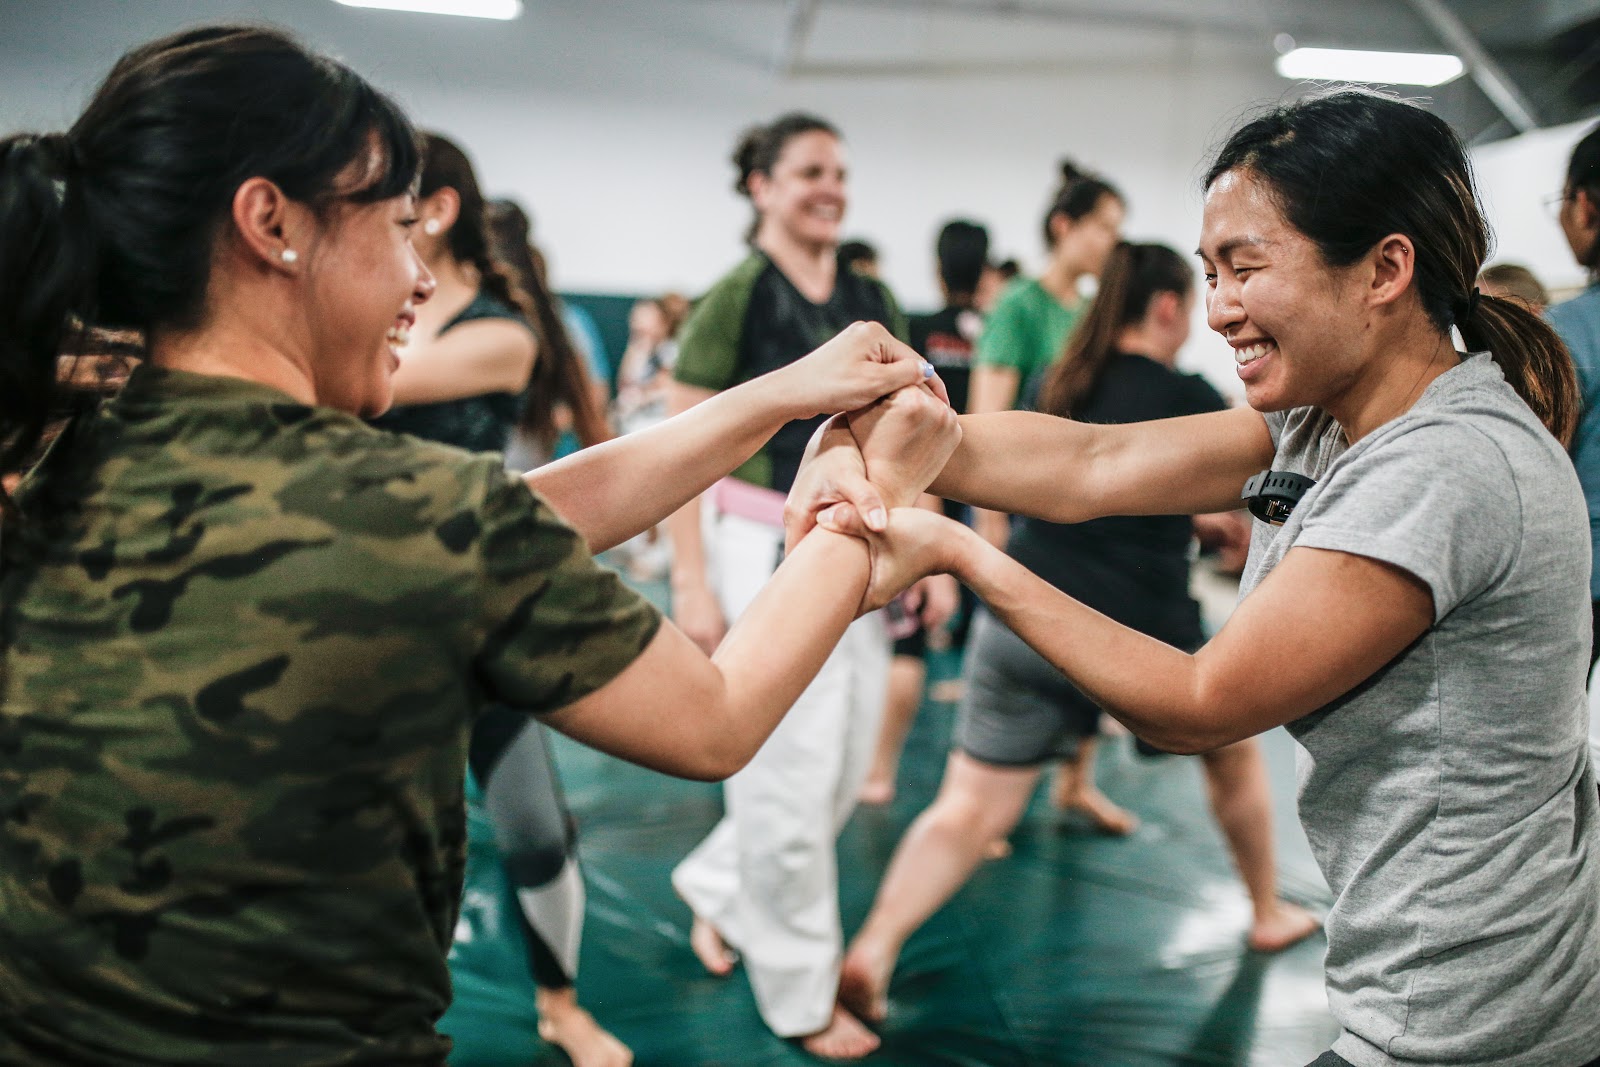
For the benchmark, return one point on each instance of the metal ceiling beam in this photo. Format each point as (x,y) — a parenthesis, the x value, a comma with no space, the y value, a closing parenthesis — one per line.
(802,16)
(1094,11)
(1481,67)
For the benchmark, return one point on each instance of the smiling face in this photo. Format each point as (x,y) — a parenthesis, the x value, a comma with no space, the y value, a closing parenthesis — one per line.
(363,283)
(804,195)
(1296,324)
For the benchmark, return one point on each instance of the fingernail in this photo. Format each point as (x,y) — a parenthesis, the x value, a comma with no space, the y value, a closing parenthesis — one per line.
(877,518)
(826,517)
(927,370)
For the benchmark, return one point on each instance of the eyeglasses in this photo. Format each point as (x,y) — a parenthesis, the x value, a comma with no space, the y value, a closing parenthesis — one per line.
(1555,202)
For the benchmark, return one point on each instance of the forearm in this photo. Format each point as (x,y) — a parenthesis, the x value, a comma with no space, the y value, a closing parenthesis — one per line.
(1156,690)
(782,639)
(1065,471)
(1022,463)
(615,490)
(688,545)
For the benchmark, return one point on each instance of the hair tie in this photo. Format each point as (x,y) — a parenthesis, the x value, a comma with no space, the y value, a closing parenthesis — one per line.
(1468,307)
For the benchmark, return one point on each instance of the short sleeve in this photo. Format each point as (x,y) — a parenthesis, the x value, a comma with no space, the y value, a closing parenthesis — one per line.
(1007,333)
(555,625)
(1437,500)
(708,347)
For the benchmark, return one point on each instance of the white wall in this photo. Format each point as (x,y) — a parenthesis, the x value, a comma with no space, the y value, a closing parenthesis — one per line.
(613,122)
(1515,178)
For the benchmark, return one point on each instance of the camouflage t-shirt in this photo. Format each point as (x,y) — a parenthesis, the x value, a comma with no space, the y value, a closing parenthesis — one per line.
(240,648)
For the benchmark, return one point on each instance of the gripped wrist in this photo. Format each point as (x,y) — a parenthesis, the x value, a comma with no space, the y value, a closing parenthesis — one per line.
(963,554)
(783,395)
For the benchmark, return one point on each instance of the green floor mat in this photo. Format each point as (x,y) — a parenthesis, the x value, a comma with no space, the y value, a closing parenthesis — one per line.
(1076,950)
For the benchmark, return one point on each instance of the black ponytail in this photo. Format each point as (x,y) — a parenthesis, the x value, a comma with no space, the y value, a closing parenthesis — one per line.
(47,268)
(1532,356)
(113,225)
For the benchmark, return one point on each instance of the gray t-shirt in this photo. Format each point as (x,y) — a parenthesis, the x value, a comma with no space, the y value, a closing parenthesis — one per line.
(1449,798)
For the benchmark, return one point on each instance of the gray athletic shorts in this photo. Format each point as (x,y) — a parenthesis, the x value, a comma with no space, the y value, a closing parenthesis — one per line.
(1018,710)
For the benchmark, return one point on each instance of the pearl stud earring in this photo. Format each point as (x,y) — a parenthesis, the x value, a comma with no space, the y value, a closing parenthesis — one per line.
(431,227)
(288,255)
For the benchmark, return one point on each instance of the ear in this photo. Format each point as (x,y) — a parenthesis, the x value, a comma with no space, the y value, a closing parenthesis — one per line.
(272,229)
(758,184)
(442,206)
(1393,262)
(1166,307)
(1585,212)
(1060,226)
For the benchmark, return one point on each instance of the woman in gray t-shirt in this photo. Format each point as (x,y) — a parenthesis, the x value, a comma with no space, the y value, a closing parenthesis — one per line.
(1418,618)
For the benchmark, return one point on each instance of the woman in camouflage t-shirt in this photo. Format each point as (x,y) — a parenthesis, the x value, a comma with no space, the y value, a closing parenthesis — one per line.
(243,634)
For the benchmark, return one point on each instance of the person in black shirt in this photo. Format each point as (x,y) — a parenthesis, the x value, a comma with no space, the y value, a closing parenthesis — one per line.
(1020,712)
(946,339)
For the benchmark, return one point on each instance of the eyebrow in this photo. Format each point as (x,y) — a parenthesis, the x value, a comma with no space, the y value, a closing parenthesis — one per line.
(1233,244)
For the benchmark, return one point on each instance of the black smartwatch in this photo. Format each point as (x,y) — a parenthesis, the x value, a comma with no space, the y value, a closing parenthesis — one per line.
(1272,495)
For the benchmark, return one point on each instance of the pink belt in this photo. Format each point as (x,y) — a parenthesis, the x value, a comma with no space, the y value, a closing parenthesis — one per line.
(733,497)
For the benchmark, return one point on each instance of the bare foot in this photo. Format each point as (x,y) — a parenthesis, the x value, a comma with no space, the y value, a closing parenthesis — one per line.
(844,1039)
(1106,816)
(876,792)
(1288,924)
(563,1024)
(864,981)
(709,948)
(998,849)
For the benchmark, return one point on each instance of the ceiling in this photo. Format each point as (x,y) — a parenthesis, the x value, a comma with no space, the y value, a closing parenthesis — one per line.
(1532,63)
(1539,60)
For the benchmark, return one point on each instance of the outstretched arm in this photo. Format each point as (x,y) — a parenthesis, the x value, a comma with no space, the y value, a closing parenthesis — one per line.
(1023,463)
(676,711)
(613,491)
(1320,624)
(1056,469)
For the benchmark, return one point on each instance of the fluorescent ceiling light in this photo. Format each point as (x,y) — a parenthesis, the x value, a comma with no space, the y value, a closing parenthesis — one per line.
(1386,68)
(477,9)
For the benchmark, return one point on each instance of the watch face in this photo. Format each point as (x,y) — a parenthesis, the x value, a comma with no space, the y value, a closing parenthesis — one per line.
(1273,511)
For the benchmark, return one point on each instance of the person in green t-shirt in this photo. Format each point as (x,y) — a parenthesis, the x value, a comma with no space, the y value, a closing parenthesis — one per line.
(244,635)
(1028,329)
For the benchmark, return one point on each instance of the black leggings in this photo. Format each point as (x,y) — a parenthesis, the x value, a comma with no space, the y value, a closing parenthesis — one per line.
(536,837)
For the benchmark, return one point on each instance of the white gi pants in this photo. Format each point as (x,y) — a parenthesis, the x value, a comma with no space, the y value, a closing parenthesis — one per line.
(767,875)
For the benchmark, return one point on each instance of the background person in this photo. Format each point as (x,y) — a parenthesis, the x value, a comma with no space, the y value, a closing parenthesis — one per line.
(765,880)
(946,339)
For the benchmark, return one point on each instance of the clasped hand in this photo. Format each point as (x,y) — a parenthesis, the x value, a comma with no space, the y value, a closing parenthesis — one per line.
(862,474)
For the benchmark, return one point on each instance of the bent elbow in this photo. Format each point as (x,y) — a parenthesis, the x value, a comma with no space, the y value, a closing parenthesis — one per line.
(719,761)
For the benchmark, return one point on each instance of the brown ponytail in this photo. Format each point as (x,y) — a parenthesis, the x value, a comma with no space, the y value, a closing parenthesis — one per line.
(1133,275)
(511,271)
(559,374)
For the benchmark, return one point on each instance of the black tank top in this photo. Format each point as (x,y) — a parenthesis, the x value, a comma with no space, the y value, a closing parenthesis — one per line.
(481,423)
